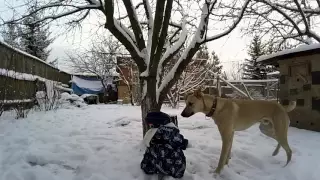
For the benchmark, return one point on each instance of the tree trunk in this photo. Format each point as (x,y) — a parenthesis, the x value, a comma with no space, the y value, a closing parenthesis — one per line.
(129,86)
(131,98)
(148,102)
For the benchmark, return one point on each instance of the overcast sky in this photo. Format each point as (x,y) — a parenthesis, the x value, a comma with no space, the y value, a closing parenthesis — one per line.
(231,49)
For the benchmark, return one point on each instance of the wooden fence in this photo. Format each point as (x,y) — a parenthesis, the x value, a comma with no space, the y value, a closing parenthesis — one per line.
(21,74)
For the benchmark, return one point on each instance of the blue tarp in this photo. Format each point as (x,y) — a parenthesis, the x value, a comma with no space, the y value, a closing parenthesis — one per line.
(79,91)
(86,85)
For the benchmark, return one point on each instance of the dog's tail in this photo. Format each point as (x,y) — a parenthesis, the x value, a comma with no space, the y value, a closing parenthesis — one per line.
(290,106)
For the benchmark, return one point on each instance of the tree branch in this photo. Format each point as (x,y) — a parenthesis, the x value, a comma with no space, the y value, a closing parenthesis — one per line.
(123,17)
(318,2)
(187,55)
(314,35)
(303,16)
(240,16)
(309,11)
(171,51)
(135,24)
(162,38)
(113,26)
(156,29)
(282,13)
(55,17)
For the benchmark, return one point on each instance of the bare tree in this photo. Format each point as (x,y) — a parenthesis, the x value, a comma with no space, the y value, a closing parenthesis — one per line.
(105,59)
(99,60)
(236,71)
(194,76)
(285,23)
(143,29)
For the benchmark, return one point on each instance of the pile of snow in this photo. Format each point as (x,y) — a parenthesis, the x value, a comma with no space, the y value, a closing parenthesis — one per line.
(83,96)
(63,88)
(67,99)
(103,142)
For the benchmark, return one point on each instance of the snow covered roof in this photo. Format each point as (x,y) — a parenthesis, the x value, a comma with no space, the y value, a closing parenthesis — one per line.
(29,55)
(301,50)
(84,74)
(92,74)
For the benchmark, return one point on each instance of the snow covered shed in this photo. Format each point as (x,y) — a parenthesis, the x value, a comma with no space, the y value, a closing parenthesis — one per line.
(299,80)
(86,83)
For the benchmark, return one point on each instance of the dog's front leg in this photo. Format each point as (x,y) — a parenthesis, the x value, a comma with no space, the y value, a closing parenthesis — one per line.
(227,138)
(229,152)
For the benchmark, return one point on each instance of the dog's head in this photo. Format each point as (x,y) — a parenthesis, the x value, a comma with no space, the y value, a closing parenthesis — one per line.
(194,103)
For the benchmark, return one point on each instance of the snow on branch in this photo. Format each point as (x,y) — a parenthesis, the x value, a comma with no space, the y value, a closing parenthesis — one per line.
(123,35)
(189,52)
(132,39)
(59,4)
(150,23)
(194,76)
(280,11)
(135,24)
(284,21)
(99,60)
(234,25)
(171,50)
(314,35)
(304,18)
(305,10)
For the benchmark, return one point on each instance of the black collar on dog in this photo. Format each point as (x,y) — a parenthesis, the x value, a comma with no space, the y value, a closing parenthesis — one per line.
(213,108)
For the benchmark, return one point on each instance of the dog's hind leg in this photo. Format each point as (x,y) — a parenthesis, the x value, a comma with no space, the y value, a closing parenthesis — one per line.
(281,125)
(276,151)
(266,127)
(283,141)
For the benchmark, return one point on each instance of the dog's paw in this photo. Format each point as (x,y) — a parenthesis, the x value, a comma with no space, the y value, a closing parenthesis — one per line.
(214,171)
(216,174)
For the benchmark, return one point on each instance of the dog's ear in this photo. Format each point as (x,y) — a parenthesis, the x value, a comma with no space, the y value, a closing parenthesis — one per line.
(197,93)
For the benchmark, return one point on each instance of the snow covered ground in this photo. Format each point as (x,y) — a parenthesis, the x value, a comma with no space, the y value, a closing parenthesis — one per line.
(102,142)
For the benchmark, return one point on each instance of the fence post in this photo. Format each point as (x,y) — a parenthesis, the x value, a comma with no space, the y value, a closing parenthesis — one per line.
(219,86)
(268,89)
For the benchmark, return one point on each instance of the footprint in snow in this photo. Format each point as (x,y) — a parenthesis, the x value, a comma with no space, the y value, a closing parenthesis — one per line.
(122,123)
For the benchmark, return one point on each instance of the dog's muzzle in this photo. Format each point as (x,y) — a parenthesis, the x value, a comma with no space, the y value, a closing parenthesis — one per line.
(186,114)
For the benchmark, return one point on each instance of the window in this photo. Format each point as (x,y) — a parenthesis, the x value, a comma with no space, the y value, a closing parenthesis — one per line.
(315,104)
(302,69)
(300,102)
(315,77)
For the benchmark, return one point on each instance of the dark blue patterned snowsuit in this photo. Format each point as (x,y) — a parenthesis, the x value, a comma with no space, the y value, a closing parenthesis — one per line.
(165,155)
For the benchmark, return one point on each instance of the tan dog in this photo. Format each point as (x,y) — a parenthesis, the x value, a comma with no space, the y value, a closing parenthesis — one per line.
(237,115)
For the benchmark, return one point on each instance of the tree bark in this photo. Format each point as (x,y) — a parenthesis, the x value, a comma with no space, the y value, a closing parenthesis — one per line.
(148,102)
(131,95)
